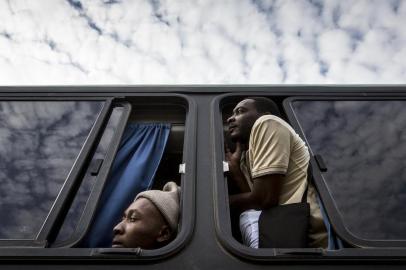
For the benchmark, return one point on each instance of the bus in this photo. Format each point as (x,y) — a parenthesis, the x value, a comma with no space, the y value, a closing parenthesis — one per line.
(59,145)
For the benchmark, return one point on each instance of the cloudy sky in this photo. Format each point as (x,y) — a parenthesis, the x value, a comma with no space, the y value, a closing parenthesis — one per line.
(202,42)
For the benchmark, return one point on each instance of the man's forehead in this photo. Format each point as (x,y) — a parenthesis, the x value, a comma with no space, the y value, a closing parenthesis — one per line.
(141,205)
(246,103)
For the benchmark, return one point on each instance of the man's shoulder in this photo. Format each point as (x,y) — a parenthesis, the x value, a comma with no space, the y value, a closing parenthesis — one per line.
(269,119)
(271,123)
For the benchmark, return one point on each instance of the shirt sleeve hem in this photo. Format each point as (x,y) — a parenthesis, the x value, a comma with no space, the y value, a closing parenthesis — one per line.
(273,170)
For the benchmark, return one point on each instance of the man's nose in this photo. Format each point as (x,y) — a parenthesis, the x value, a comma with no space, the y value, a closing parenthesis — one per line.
(118,229)
(231,119)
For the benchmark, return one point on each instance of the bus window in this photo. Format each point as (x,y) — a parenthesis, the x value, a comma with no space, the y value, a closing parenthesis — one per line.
(145,113)
(359,143)
(65,149)
(43,145)
(249,120)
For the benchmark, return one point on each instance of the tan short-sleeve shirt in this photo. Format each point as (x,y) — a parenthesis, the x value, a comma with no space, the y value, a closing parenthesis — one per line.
(275,148)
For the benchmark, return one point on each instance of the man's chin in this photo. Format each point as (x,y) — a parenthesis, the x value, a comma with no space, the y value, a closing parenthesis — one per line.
(234,137)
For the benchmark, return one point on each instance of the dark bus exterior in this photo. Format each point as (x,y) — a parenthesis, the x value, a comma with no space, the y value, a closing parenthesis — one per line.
(371,236)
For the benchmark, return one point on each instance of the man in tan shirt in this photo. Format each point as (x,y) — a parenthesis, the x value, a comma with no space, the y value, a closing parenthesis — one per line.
(269,164)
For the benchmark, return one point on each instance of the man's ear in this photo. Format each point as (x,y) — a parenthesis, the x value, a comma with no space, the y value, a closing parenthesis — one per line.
(164,234)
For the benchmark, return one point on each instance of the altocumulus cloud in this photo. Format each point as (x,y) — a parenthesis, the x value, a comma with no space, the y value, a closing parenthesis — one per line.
(159,41)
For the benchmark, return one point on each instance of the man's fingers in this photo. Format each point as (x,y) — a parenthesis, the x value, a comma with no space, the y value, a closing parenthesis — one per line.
(227,149)
(227,153)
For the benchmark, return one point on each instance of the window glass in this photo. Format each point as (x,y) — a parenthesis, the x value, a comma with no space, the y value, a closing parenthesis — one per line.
(89,180)
(363,144)
(39,143)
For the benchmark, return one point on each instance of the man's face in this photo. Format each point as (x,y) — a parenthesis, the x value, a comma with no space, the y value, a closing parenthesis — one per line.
(240,123)
(142,226)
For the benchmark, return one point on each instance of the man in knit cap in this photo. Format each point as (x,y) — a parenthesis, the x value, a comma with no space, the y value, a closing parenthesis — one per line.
(151,221)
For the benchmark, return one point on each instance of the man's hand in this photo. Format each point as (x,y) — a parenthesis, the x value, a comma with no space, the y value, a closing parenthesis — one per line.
(235,174)
(233,158)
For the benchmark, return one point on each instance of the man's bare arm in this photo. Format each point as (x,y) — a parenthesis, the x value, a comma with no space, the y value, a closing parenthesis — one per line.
(265,194)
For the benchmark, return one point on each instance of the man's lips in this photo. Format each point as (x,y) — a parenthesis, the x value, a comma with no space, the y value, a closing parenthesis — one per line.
(231,128)
(117,244)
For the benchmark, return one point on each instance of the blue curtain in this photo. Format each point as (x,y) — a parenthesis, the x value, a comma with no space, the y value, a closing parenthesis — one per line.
(133,171)
(334,242)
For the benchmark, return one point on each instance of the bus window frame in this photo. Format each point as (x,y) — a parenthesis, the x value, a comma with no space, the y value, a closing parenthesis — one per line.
(328,202)
(56,212)
(14,250)
(221,201)
(187,204)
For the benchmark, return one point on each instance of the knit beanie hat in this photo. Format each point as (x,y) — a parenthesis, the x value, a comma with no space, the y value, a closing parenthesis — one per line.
(167,202)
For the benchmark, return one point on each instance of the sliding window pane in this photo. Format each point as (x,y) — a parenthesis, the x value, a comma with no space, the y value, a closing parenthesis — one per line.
(363,144)
(78,205)
(39,144)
